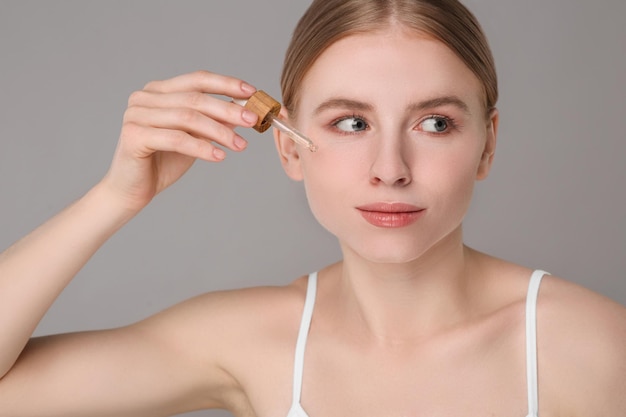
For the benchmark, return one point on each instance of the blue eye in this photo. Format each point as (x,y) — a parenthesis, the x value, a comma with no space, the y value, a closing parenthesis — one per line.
(351,124)
(435,124)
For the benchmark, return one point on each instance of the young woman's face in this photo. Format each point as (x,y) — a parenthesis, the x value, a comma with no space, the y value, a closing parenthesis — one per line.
(400,125)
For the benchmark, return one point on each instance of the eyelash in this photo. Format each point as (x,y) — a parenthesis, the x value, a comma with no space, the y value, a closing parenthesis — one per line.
(335,122)
(450,122)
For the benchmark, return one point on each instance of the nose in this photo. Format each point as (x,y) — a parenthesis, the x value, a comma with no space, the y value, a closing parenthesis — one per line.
(390,164)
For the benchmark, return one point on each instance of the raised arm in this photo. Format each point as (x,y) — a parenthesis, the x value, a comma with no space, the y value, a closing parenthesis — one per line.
(166,127)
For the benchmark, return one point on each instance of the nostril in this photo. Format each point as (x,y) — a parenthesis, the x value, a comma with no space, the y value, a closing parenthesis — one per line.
(396,181)
(390,167)
(403,181)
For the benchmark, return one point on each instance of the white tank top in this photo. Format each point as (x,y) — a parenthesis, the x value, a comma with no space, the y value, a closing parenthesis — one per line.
(296,409)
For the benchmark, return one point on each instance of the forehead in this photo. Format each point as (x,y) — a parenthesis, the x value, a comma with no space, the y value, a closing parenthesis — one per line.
(386,66)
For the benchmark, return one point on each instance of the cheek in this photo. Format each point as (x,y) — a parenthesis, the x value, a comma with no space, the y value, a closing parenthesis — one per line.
(455,179)
(334,164)
(331,179)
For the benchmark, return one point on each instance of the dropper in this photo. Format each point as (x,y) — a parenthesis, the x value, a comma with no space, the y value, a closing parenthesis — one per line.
(267,109)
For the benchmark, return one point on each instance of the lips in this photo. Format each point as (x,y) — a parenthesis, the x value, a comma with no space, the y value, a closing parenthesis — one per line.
(390,215)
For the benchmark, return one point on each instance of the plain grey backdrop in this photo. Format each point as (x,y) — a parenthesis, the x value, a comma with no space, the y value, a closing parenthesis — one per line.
(555,199)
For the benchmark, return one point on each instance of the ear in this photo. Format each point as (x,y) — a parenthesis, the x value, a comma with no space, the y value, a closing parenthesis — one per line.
(486,159)
(288,152)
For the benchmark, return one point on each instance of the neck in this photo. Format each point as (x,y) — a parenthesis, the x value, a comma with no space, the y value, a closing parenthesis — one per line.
(398,303)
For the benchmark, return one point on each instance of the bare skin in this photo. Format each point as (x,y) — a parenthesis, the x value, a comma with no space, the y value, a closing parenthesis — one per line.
(402,327)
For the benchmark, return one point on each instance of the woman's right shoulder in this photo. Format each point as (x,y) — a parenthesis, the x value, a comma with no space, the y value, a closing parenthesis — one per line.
(237,332)
(236,310)
(230,321)
(206,352)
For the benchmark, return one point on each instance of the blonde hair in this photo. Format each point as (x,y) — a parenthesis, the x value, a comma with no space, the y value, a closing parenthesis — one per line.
(327,21)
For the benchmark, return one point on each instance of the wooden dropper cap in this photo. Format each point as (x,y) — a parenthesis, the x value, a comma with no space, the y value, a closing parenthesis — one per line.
(264,106)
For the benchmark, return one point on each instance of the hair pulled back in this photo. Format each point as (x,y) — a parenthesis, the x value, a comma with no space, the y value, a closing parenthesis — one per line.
(327,21)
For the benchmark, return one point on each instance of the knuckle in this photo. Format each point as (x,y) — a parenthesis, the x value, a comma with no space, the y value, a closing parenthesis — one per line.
(180,141)
(129,114)
(130,129)
(199,78)
(135,98)
(152,85)
(136,114)
(176,138)
(195,99)
(199,74)
(186,116)
(227,134)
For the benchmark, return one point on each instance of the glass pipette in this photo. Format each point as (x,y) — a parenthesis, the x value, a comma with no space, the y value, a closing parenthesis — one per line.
(267,109)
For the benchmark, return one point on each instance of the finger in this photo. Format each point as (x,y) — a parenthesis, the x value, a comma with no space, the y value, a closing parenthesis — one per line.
(171,140)
(224,111)
(187,120)
(203,81)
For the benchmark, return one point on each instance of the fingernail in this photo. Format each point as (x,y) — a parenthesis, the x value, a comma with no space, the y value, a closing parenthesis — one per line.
(240,143)
(247,88)
(219,154)
(249,116)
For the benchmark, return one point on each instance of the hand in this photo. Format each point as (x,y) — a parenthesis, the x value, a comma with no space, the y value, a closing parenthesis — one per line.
(171,123)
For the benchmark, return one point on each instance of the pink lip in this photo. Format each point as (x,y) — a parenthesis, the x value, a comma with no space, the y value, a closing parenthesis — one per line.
(390,214)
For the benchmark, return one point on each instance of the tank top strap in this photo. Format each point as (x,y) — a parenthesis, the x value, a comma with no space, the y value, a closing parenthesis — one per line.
(531,342)
(531,339)
(305,325)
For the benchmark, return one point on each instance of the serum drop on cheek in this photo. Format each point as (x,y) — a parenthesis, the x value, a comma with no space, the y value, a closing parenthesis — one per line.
(267,109)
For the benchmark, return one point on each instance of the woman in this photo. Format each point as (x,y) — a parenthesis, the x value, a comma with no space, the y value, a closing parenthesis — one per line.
(410,322)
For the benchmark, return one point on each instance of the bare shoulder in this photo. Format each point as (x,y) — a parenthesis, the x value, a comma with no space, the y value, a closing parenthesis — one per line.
(201,353)
(582,348)
(247,334)
(581,341)
(591,319)
(223,316)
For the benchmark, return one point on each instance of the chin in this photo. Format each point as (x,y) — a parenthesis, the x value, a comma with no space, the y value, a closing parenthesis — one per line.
(393,253)
(402,248)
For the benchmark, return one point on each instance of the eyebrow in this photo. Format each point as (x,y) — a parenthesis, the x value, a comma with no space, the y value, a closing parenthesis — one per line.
(441,101)
(343,103)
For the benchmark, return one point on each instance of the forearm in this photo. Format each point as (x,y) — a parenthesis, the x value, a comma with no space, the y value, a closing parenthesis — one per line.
(35,270)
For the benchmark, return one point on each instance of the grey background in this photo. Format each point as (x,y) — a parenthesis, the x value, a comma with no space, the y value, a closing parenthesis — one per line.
(554,200)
